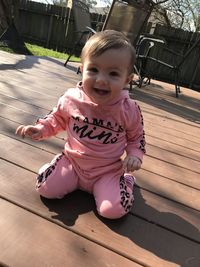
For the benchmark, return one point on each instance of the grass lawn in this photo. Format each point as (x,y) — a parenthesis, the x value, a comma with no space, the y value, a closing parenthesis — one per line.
(41,51)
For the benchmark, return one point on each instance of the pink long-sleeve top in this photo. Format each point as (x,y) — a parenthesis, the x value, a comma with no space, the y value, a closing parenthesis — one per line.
(98,135)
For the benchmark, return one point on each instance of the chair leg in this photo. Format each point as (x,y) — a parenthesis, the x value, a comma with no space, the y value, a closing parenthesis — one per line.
(74,48)
(130,86)
(78,70)
(140,82)
(68,59)
(177,87)
(147,81)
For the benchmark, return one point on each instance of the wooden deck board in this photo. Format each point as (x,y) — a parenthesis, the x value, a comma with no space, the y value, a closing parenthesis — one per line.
(137,234)
(42,239)
(172,171)
(163,227)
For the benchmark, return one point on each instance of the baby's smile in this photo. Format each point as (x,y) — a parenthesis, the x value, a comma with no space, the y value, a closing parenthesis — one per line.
(101,91)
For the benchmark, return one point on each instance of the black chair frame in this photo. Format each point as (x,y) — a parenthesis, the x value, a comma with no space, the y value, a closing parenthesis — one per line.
(143,58)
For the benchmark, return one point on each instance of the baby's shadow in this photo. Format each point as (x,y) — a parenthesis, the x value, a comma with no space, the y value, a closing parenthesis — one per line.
(68,209)
(178,244)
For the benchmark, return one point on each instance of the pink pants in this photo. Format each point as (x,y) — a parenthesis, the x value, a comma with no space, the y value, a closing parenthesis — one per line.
(113,194)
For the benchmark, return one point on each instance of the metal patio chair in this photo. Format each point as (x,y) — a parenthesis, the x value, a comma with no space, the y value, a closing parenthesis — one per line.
(143,48)
(127,16)
(153,53)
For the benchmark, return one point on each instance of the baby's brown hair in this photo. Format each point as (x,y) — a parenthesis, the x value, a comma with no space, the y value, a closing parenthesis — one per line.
(105,40)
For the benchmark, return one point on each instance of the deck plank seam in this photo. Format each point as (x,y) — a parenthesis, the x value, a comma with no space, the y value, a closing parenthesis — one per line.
(176,165)
(18,165)
(182,138)
(167,150)
(170,179)
(22,140)
(162,196)
(167,141)
(164,227)
(173,119)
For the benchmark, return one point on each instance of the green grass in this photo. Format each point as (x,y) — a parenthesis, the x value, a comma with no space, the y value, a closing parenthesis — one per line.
(6,49)
(41,51)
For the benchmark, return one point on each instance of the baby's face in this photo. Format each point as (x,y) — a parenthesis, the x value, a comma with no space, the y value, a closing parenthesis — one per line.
(106,75)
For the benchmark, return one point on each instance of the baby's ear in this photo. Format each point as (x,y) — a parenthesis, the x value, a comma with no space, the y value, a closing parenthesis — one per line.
(81,67)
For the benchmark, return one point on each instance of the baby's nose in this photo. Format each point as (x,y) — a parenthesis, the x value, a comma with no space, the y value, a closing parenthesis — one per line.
(101,78)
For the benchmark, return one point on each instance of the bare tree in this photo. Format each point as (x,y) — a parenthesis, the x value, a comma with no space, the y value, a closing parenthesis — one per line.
(90,3)
(9,35)
(60,2)
(5,14)
(184,14)
(8,13)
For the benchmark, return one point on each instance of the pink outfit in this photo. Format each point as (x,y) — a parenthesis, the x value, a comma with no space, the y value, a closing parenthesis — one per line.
(97,138)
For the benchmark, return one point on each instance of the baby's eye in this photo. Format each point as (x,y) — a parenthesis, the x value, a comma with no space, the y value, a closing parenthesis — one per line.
(114,73)
(93,69)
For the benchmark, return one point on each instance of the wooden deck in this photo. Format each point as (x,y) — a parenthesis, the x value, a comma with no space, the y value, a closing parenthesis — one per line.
(163,228)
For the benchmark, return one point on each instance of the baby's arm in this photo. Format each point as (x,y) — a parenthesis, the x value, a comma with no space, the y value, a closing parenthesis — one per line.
(135,148)
(30,131)
(49,126)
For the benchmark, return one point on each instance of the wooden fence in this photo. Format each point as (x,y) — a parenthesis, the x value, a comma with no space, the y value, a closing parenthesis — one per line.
(49,25)
(52,27)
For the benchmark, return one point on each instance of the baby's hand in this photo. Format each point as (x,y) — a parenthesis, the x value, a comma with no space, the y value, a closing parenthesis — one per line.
(131,164)
(29,131)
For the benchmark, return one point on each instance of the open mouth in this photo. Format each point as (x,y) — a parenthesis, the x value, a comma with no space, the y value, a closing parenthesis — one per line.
(101,91)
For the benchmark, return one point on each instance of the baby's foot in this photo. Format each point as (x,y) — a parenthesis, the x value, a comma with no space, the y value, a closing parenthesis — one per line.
(130,180)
